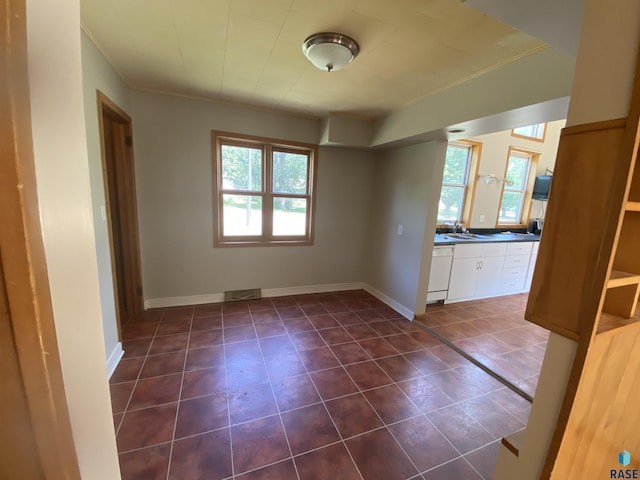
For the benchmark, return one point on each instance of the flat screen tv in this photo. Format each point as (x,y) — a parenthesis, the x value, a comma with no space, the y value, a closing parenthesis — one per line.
(541,187)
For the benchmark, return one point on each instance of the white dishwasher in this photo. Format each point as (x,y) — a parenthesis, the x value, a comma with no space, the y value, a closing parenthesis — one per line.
(440,272)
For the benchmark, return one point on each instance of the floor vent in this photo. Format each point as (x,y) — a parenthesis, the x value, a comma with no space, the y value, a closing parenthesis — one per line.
(236,295)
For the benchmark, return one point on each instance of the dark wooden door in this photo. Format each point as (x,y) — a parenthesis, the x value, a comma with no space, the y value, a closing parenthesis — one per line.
(119,183)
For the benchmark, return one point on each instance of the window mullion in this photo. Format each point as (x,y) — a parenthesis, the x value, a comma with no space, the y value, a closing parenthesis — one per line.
(267,203)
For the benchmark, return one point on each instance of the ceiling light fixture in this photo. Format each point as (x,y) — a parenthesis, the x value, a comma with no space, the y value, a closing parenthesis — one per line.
(330,51)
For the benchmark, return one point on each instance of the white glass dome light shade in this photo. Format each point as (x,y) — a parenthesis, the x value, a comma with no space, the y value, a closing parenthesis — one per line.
(330,51)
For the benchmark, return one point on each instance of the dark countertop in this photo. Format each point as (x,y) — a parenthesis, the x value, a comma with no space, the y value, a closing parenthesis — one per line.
(444,239)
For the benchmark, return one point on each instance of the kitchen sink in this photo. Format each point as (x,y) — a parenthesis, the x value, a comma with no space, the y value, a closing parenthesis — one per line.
(465,236)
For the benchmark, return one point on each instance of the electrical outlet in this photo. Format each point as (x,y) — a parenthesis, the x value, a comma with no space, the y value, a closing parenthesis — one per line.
(482,218)
(400,228)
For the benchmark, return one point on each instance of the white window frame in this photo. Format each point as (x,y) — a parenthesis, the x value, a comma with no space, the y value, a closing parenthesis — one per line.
(525,190)
(464,186)
(539,132)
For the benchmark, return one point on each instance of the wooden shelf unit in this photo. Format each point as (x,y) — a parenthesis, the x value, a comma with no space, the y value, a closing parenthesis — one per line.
(620,279)
(587,289)
(623,286)
(609,322)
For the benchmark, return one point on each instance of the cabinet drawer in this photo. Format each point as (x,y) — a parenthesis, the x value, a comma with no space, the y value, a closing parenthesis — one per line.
(514,272)
(512,284)
(519,248)
(493,249)
(516,261)
(466,251)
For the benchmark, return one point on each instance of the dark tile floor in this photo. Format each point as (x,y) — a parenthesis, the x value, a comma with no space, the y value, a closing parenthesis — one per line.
(494,332)
(327,386)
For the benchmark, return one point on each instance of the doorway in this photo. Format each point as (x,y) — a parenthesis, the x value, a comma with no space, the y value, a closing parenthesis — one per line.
(121,209)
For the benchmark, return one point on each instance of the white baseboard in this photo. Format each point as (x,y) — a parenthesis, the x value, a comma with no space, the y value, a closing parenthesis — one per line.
(481,297)
(281,292)
(401,309)
(114,359)
(267,292)
(186,300)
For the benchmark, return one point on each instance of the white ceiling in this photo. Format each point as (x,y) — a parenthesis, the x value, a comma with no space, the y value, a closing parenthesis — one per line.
(251,50)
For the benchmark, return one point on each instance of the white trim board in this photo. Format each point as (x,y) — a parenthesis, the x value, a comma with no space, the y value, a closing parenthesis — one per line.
(280,292)
(114,359)
(266,293)
(401,309)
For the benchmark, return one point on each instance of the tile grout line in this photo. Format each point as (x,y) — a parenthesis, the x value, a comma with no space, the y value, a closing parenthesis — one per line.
(344,444)
(175,423)
(135,385)
(478,364)
(315,329)
(275,400)
(385,425)
(226,393)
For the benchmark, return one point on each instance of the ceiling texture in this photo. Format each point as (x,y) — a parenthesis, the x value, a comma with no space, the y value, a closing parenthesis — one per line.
(250,51)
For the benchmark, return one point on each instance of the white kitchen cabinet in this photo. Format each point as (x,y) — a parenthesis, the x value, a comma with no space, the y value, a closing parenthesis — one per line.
(516,266)
(476,271)
(489,276)
(483,270)
(532,266)
(464,273)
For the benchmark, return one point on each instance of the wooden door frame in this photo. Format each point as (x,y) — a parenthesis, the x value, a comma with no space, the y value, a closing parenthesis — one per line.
(23,260)
(133,282)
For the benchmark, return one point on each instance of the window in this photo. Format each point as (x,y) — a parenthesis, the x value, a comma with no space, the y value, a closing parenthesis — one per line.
(531,132)
(264,191)
(457,181)
(517,187)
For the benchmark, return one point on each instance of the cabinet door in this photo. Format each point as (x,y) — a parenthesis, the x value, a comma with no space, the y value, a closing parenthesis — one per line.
(489,276)
(463,278)
(532,265)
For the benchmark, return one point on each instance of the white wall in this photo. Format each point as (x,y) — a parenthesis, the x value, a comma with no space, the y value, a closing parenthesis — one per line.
(514,85)
(601,91)
(99,75)
(406,190)
(495,150)
(62,171)
(172,139)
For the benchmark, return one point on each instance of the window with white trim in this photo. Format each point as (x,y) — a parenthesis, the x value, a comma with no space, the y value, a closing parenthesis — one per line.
(263,191)
(455,182)
(516,192)
(532,132)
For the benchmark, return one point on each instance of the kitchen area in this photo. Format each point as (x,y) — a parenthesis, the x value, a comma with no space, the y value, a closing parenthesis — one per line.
(490,220)
(477,294)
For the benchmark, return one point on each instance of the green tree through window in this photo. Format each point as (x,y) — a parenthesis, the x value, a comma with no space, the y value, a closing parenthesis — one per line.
(515,188)
(263,190)
(454,183)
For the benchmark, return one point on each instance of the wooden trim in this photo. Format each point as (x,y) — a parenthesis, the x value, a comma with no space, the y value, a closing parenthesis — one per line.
(125,179)
(528,192)
(594,126)
(472,182)
(533,139)
(23,260)
(469,192)
(268,146)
